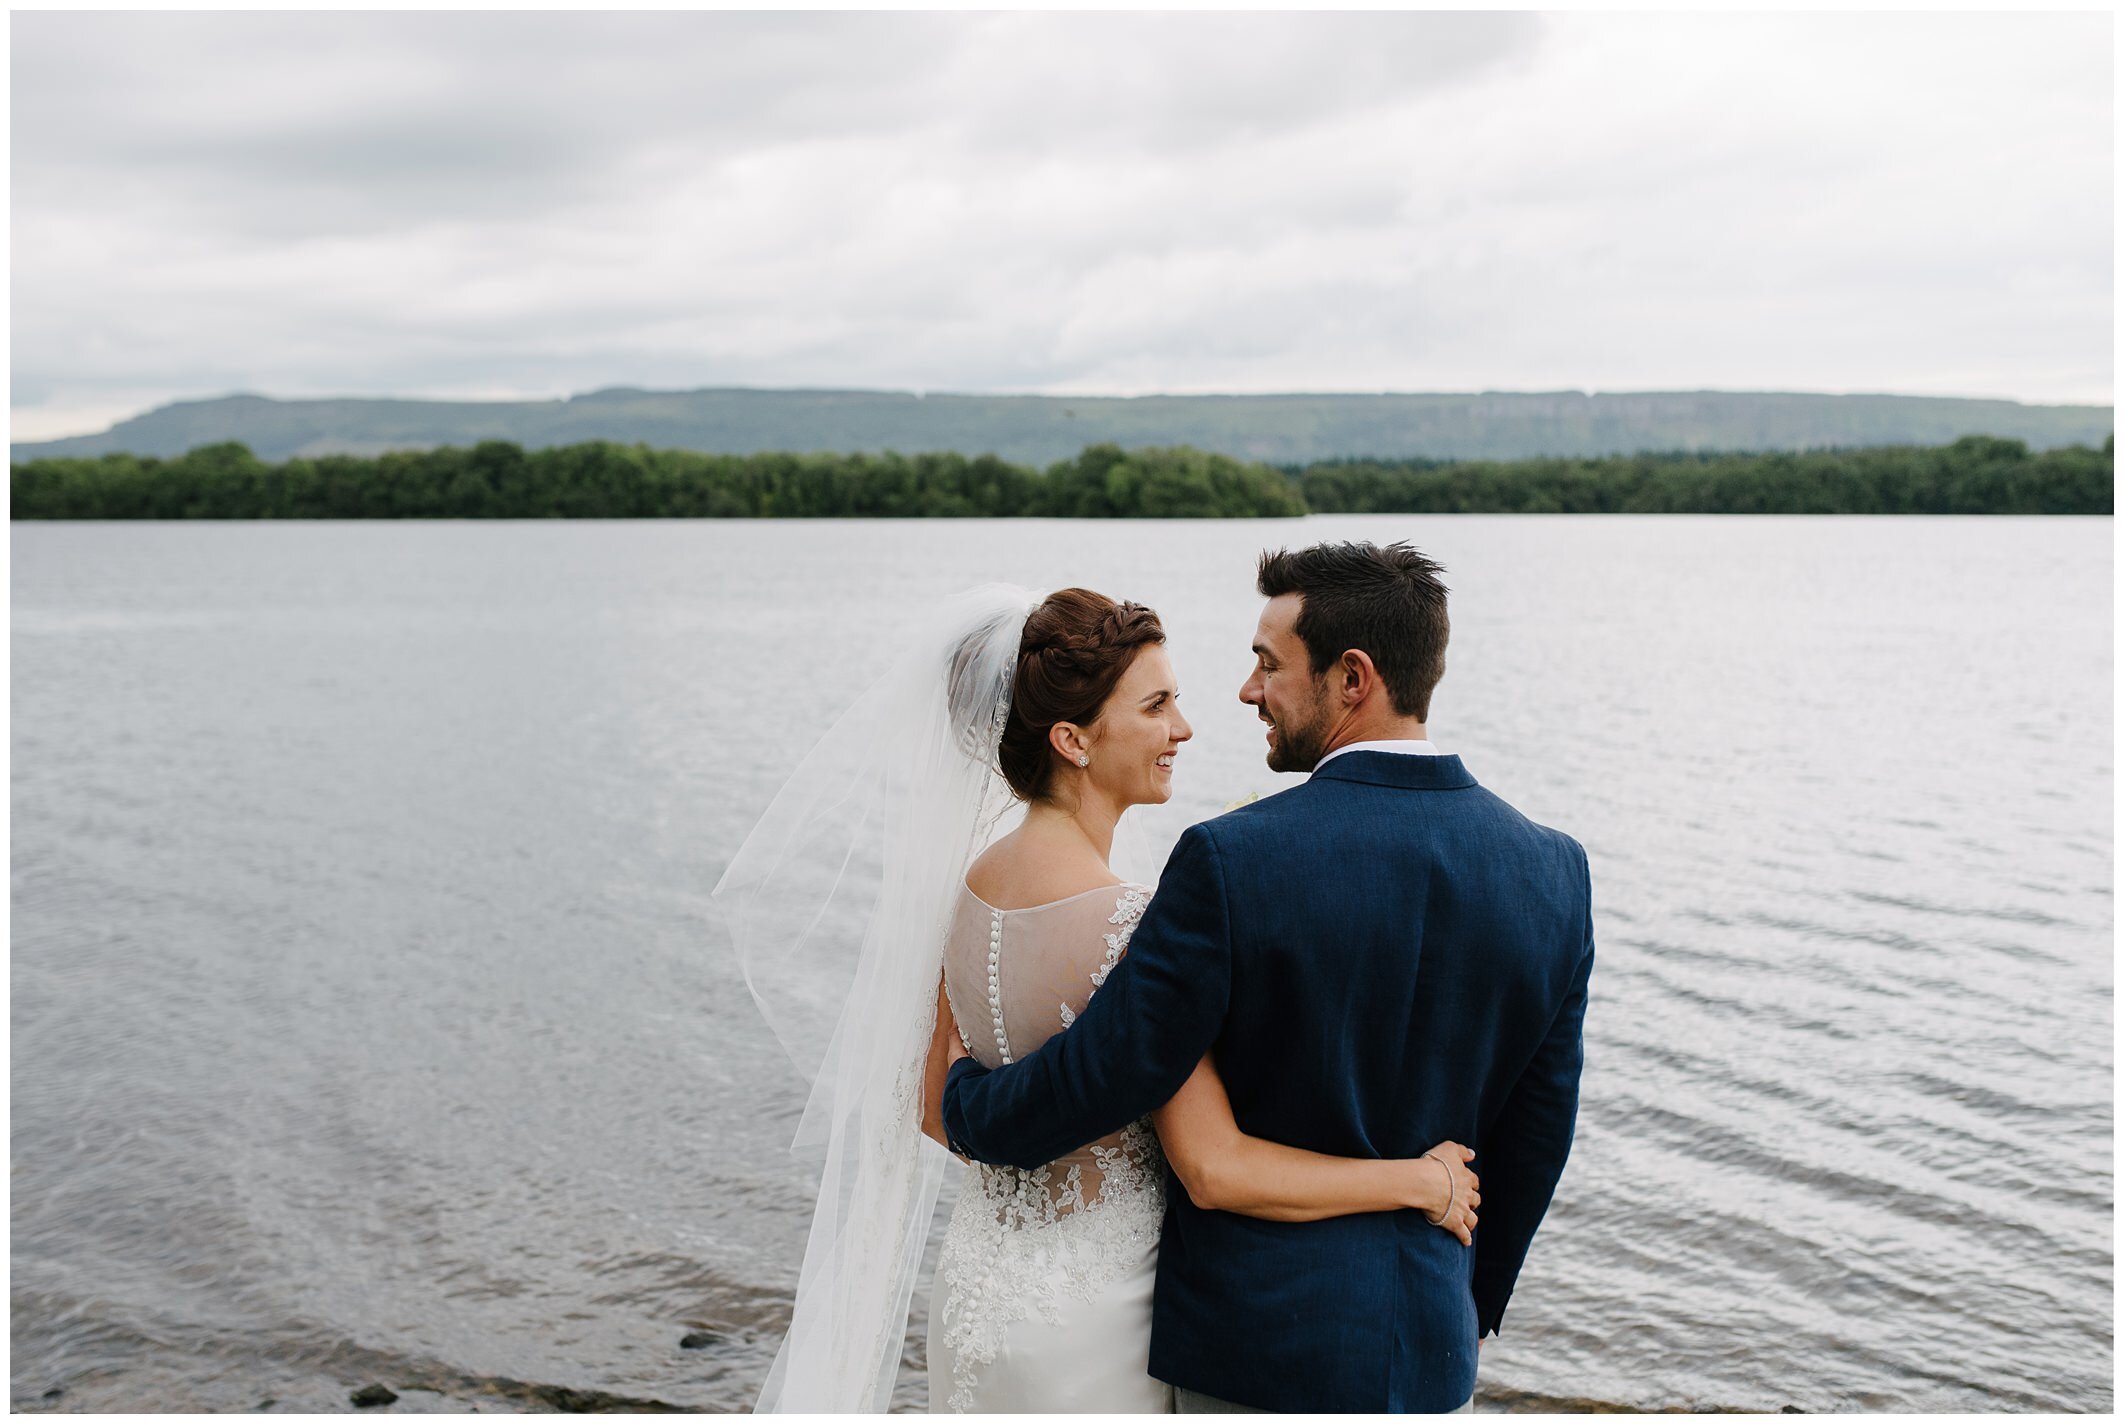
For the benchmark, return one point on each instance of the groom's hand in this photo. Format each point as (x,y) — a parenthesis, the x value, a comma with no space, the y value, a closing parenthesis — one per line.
(954,1050)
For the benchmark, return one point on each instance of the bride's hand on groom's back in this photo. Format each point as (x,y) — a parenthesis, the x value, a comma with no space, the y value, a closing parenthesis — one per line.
(1447,1191)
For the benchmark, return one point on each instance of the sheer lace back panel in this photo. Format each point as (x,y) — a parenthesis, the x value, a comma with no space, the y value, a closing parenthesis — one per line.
(1028,1242)
(1015,978)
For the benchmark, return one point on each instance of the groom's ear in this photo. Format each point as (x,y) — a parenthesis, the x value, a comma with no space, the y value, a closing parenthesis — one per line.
(1355,677)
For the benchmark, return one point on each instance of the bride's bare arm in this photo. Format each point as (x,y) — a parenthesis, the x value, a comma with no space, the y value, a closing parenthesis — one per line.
(934,1071)
(1223,1169)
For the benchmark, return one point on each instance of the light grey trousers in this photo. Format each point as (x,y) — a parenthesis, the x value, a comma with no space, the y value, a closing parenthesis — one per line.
(1186,1401)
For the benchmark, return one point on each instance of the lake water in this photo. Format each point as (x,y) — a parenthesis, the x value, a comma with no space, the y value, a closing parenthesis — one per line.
(369,1023)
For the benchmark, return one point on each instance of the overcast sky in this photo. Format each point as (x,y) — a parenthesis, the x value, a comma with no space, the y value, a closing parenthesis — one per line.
(538,204)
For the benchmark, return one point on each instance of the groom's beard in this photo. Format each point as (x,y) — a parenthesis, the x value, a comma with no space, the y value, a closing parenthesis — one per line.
(1298,748)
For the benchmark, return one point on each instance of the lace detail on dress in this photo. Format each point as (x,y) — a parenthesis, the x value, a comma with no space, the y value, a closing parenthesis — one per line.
(1023,1240)
(1025,1243)
(1126,914)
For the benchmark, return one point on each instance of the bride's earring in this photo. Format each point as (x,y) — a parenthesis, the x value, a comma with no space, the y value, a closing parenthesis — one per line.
(1083,761)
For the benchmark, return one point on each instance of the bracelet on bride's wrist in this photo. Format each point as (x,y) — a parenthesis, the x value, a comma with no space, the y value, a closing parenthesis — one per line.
(1452,1194)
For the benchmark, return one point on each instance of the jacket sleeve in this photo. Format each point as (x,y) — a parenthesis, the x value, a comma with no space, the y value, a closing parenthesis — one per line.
(1134,1044)
(1522,1156)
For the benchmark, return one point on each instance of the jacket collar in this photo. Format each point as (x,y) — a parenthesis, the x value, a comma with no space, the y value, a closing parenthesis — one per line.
(1416,773)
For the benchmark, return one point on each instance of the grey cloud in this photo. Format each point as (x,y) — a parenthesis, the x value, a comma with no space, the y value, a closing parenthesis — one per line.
(497,202)
(1184,80)
(318,122)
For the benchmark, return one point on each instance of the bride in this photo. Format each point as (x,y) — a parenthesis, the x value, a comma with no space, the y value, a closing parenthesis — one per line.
(884,929)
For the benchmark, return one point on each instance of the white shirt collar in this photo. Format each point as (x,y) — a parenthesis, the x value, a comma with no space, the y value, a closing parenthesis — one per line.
(1401,748)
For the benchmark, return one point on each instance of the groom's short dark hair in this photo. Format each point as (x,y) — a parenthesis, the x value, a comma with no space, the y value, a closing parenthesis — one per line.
(1388,602)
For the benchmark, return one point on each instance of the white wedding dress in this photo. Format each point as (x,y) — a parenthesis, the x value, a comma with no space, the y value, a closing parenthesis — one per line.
(1042,1300)
(840,904)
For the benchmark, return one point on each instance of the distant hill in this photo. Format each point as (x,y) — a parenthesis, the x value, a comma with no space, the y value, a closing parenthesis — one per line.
(1283,429)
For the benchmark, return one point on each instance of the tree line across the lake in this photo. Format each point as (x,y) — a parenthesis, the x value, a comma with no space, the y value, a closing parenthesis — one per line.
(600,479)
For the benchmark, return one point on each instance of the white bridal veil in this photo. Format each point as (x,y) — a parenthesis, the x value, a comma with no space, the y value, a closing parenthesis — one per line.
(838,902)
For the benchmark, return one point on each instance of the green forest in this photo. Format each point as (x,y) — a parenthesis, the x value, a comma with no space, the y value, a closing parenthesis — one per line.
(1977,474)
(604,480)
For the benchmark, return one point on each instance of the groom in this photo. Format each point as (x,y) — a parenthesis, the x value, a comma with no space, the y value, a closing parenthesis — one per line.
(1382,958)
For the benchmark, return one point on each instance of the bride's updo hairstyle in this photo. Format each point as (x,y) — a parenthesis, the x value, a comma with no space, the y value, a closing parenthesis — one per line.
(1077,644)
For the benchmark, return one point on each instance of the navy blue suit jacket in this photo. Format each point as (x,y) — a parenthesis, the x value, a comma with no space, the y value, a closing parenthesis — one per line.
(1384,957)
